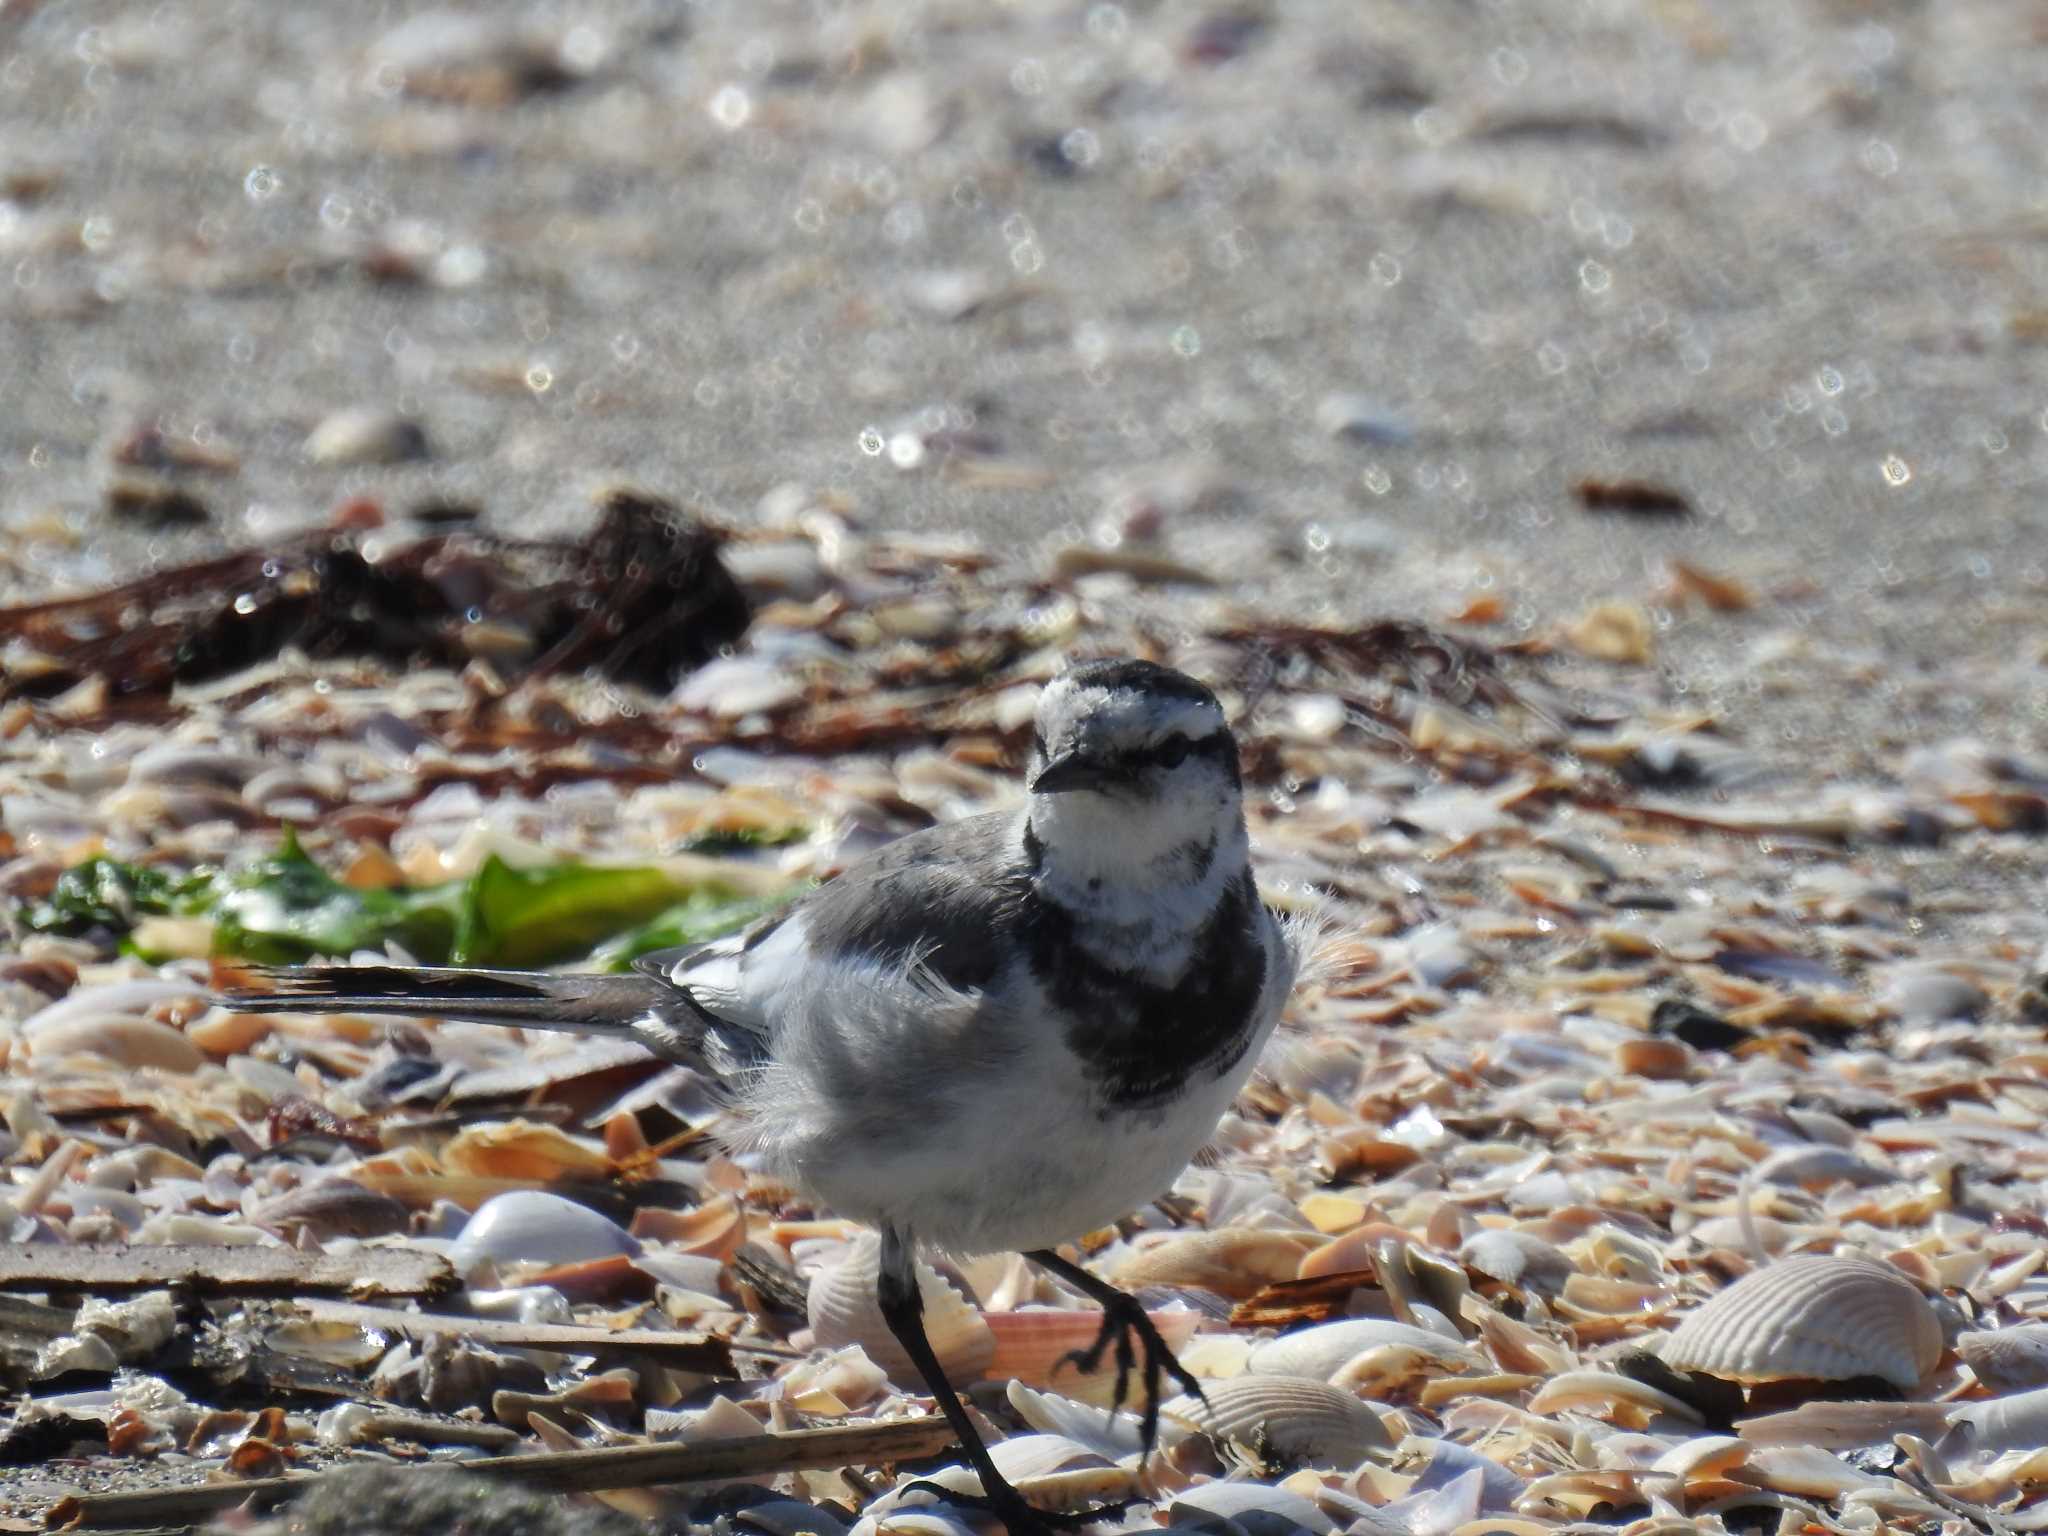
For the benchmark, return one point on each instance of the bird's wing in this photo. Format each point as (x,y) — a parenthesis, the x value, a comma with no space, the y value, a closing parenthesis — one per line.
(929,905)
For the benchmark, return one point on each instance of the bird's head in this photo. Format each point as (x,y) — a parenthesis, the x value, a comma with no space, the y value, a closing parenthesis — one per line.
(1135,734)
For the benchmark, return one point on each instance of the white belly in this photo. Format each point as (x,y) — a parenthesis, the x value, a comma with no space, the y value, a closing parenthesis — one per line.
(1031,1164)
(964,1123)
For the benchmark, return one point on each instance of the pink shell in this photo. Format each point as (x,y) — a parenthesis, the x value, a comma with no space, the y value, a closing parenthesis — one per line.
(1031,1343)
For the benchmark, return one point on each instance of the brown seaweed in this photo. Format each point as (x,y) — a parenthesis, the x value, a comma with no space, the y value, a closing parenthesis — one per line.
(644,600)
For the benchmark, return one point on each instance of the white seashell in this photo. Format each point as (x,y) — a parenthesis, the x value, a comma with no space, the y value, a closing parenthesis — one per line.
(1439,1511)
(724,1419)
(1305,1421)
(1448,1460)
(2007,1359)
(1254,1508)
(1215,1356)
(366,435)
(1627,1450)
(523,1304)
(1844,1426)
(1023,1457)
(1926,994)
(530,1226)
(125,1042)
(75,1199)
(787,1517)
(74,1352)
(833,1383)
(1112,1436)
(733,686)
(122,997)
(1519,1259)
(1702,1457)
(843,1310)
(1319,715)
(1319,1353)
(1812,1316)
(1605,1389)
(1621,1256)
(1728,1232)
(695,1272)
(2015,1423)
(1815,1167)
(1237,1262)
(343,1423)
(1806,1471)
(185,762)
(778,568)
(950,293)
(295,782)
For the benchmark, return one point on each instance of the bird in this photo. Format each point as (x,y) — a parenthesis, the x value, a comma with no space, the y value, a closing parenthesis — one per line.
(996,1034)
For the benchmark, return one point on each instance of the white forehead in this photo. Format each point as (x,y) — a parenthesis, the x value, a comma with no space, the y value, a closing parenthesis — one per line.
(1067,707)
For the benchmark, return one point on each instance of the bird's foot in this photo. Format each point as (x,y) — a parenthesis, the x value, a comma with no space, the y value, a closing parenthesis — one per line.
(1019,1516)
(1122,1319)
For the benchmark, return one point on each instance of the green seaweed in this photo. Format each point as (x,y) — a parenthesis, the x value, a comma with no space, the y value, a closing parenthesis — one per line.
(706,915)
(284,908)
(106,894)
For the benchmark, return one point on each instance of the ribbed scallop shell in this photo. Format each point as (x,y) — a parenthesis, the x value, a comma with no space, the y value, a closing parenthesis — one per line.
(843,1310)
(2007,1359)
(1299,1420)
(1815,1317)
(1318,1353)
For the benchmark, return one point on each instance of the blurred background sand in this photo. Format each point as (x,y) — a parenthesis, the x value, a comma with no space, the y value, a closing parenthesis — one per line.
(1345,296)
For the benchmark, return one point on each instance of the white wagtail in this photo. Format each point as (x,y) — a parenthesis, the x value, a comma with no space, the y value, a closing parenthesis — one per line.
(998,1034)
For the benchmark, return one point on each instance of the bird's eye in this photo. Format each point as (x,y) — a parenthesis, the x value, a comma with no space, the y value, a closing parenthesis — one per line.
(1173,751)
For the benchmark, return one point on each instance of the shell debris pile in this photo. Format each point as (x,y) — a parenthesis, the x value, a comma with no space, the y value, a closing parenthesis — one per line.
(1651,1147)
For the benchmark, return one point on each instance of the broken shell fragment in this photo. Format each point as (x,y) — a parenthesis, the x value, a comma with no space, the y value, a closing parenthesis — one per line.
(1235,1261)
(1319,1353)
(1518,1259)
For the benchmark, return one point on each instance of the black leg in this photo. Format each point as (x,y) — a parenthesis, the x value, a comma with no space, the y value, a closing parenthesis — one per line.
(902,1306)
(1122,1318)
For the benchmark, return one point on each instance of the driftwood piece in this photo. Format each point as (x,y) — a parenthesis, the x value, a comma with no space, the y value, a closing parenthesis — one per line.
(629,1466)
(682,1351)
(216,1271)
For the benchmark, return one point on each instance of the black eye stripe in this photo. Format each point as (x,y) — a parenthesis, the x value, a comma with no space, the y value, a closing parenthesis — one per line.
(1172,751)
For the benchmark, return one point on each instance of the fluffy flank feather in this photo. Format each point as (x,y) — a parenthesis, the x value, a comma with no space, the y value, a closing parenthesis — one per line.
(1320,944)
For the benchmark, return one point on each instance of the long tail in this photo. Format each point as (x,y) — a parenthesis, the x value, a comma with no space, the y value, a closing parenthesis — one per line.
(580,1005)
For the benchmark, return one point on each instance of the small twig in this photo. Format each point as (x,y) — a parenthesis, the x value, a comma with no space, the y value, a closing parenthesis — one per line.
(630,1466)
(212,1271)
(684,1351)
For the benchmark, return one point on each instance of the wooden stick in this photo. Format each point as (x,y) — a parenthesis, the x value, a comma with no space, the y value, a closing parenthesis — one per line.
(221,1271)
(627,1466)
(684,1351)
